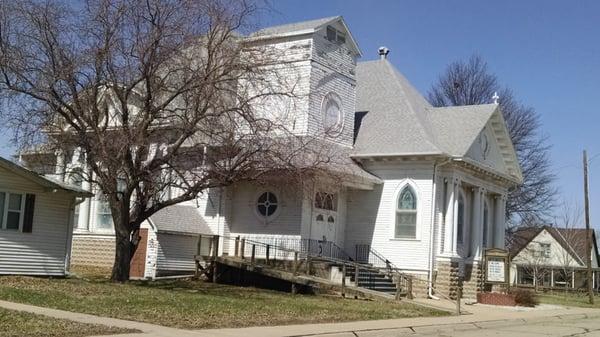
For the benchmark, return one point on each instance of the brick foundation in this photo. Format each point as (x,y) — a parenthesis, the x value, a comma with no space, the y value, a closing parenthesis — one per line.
(93,251)
(496,299)
(138,261)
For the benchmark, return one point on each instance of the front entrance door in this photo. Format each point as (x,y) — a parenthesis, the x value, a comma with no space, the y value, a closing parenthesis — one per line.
(325,217)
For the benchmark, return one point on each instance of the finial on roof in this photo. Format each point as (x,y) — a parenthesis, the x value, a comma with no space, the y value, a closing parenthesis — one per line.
(495,97)
(383,52)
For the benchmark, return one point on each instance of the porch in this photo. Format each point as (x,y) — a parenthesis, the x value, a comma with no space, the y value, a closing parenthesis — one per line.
(554,278)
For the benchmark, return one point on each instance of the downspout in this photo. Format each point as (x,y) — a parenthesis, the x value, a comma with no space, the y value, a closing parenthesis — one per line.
(432,230)
(70,225)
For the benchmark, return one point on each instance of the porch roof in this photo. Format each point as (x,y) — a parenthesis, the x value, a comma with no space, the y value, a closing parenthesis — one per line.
(183,219)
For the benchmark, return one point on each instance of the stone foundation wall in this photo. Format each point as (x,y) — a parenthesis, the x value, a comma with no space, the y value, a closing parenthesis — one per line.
(447,278)
(93,251)
(472,280)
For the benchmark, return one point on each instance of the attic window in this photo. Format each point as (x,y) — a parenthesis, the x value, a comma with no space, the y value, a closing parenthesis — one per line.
(335,35)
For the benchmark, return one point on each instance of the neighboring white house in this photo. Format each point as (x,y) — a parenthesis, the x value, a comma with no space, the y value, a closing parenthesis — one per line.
(36,222)
(425,187)
(551,257)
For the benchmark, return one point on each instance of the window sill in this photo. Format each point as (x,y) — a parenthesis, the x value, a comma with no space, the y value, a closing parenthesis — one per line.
(405,239)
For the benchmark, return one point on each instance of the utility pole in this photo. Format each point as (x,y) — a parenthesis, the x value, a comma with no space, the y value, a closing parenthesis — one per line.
(588,237)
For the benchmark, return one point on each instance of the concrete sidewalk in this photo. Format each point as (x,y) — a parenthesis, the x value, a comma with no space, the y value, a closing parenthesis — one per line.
(480,315)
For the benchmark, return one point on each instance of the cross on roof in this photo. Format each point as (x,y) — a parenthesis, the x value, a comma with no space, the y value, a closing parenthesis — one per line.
(495,98)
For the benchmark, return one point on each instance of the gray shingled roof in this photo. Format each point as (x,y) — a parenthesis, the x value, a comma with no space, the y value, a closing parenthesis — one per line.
(396,119)
(296,26)
(400,121)
(180,219)
(42,180)
(458,127)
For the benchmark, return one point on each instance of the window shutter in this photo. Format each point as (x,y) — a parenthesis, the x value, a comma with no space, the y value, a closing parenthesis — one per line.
(29,207)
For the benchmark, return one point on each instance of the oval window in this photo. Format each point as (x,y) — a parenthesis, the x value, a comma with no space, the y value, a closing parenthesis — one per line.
(266,204)
(333,116)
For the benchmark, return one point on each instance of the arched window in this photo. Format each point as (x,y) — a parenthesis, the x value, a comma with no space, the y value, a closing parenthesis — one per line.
(460,219)
(486,213)
(267,204)
(406,214)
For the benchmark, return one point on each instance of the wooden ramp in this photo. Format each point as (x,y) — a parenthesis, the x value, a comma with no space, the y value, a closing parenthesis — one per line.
(299,268)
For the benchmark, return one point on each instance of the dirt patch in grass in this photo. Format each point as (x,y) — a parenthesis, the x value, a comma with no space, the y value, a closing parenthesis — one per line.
(195,304)
(18,324)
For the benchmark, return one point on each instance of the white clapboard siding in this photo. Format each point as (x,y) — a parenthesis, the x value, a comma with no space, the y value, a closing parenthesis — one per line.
(176,252)
(371,215)
(44,251)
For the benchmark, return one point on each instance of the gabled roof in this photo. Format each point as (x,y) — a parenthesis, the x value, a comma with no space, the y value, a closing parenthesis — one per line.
(571,239)
(42,180)
(399,121)
(183,219)
(305,27)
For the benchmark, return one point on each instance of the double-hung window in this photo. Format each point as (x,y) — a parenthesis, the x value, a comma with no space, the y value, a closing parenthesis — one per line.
(12,206)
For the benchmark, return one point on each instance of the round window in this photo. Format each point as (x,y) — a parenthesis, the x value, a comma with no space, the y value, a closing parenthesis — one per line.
(267,204)
(333,116)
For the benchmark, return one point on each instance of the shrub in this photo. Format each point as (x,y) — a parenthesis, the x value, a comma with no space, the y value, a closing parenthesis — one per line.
(525,298)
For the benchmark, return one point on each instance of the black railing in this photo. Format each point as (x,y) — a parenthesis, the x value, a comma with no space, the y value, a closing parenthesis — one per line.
(306,247)
(368,255)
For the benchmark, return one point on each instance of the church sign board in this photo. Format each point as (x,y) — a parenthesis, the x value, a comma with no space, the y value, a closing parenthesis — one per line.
(496,266)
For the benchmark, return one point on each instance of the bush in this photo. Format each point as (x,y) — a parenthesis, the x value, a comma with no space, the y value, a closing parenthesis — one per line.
(525,298)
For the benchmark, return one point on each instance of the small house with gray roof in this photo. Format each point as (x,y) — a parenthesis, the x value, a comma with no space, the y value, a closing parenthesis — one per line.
(36,222)
(423,188)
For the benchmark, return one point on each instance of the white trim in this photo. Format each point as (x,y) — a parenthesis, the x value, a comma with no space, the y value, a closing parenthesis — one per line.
(340,125)
(4,214)
(419,198)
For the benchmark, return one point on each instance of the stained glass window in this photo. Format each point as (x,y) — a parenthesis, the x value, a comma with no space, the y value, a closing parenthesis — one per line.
(406,214)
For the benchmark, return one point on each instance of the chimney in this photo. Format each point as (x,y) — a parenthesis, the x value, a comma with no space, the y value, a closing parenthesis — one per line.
(383,53)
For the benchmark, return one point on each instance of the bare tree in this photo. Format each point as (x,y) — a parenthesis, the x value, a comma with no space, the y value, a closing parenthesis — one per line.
(568,231)
(159,100)
(535,262)
(470,82)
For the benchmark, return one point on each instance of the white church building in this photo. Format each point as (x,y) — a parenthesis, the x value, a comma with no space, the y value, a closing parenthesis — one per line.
(427,191)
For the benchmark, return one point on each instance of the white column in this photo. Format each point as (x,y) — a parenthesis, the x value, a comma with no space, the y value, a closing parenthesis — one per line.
(60,165)
(455,219)
(500,221)
(476,223)
(551,278)
(449,220)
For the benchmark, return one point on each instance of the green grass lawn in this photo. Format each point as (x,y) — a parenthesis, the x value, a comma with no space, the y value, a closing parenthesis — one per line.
(18,324)
(196,304)
(569,299)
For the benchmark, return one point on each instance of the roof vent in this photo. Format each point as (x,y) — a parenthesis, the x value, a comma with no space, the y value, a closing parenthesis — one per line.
(383,52)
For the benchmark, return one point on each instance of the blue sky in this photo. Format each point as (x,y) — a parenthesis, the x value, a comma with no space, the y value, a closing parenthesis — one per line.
(548,52)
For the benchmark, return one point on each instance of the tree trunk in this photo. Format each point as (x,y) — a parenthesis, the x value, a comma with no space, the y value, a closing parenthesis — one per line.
(124,249)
